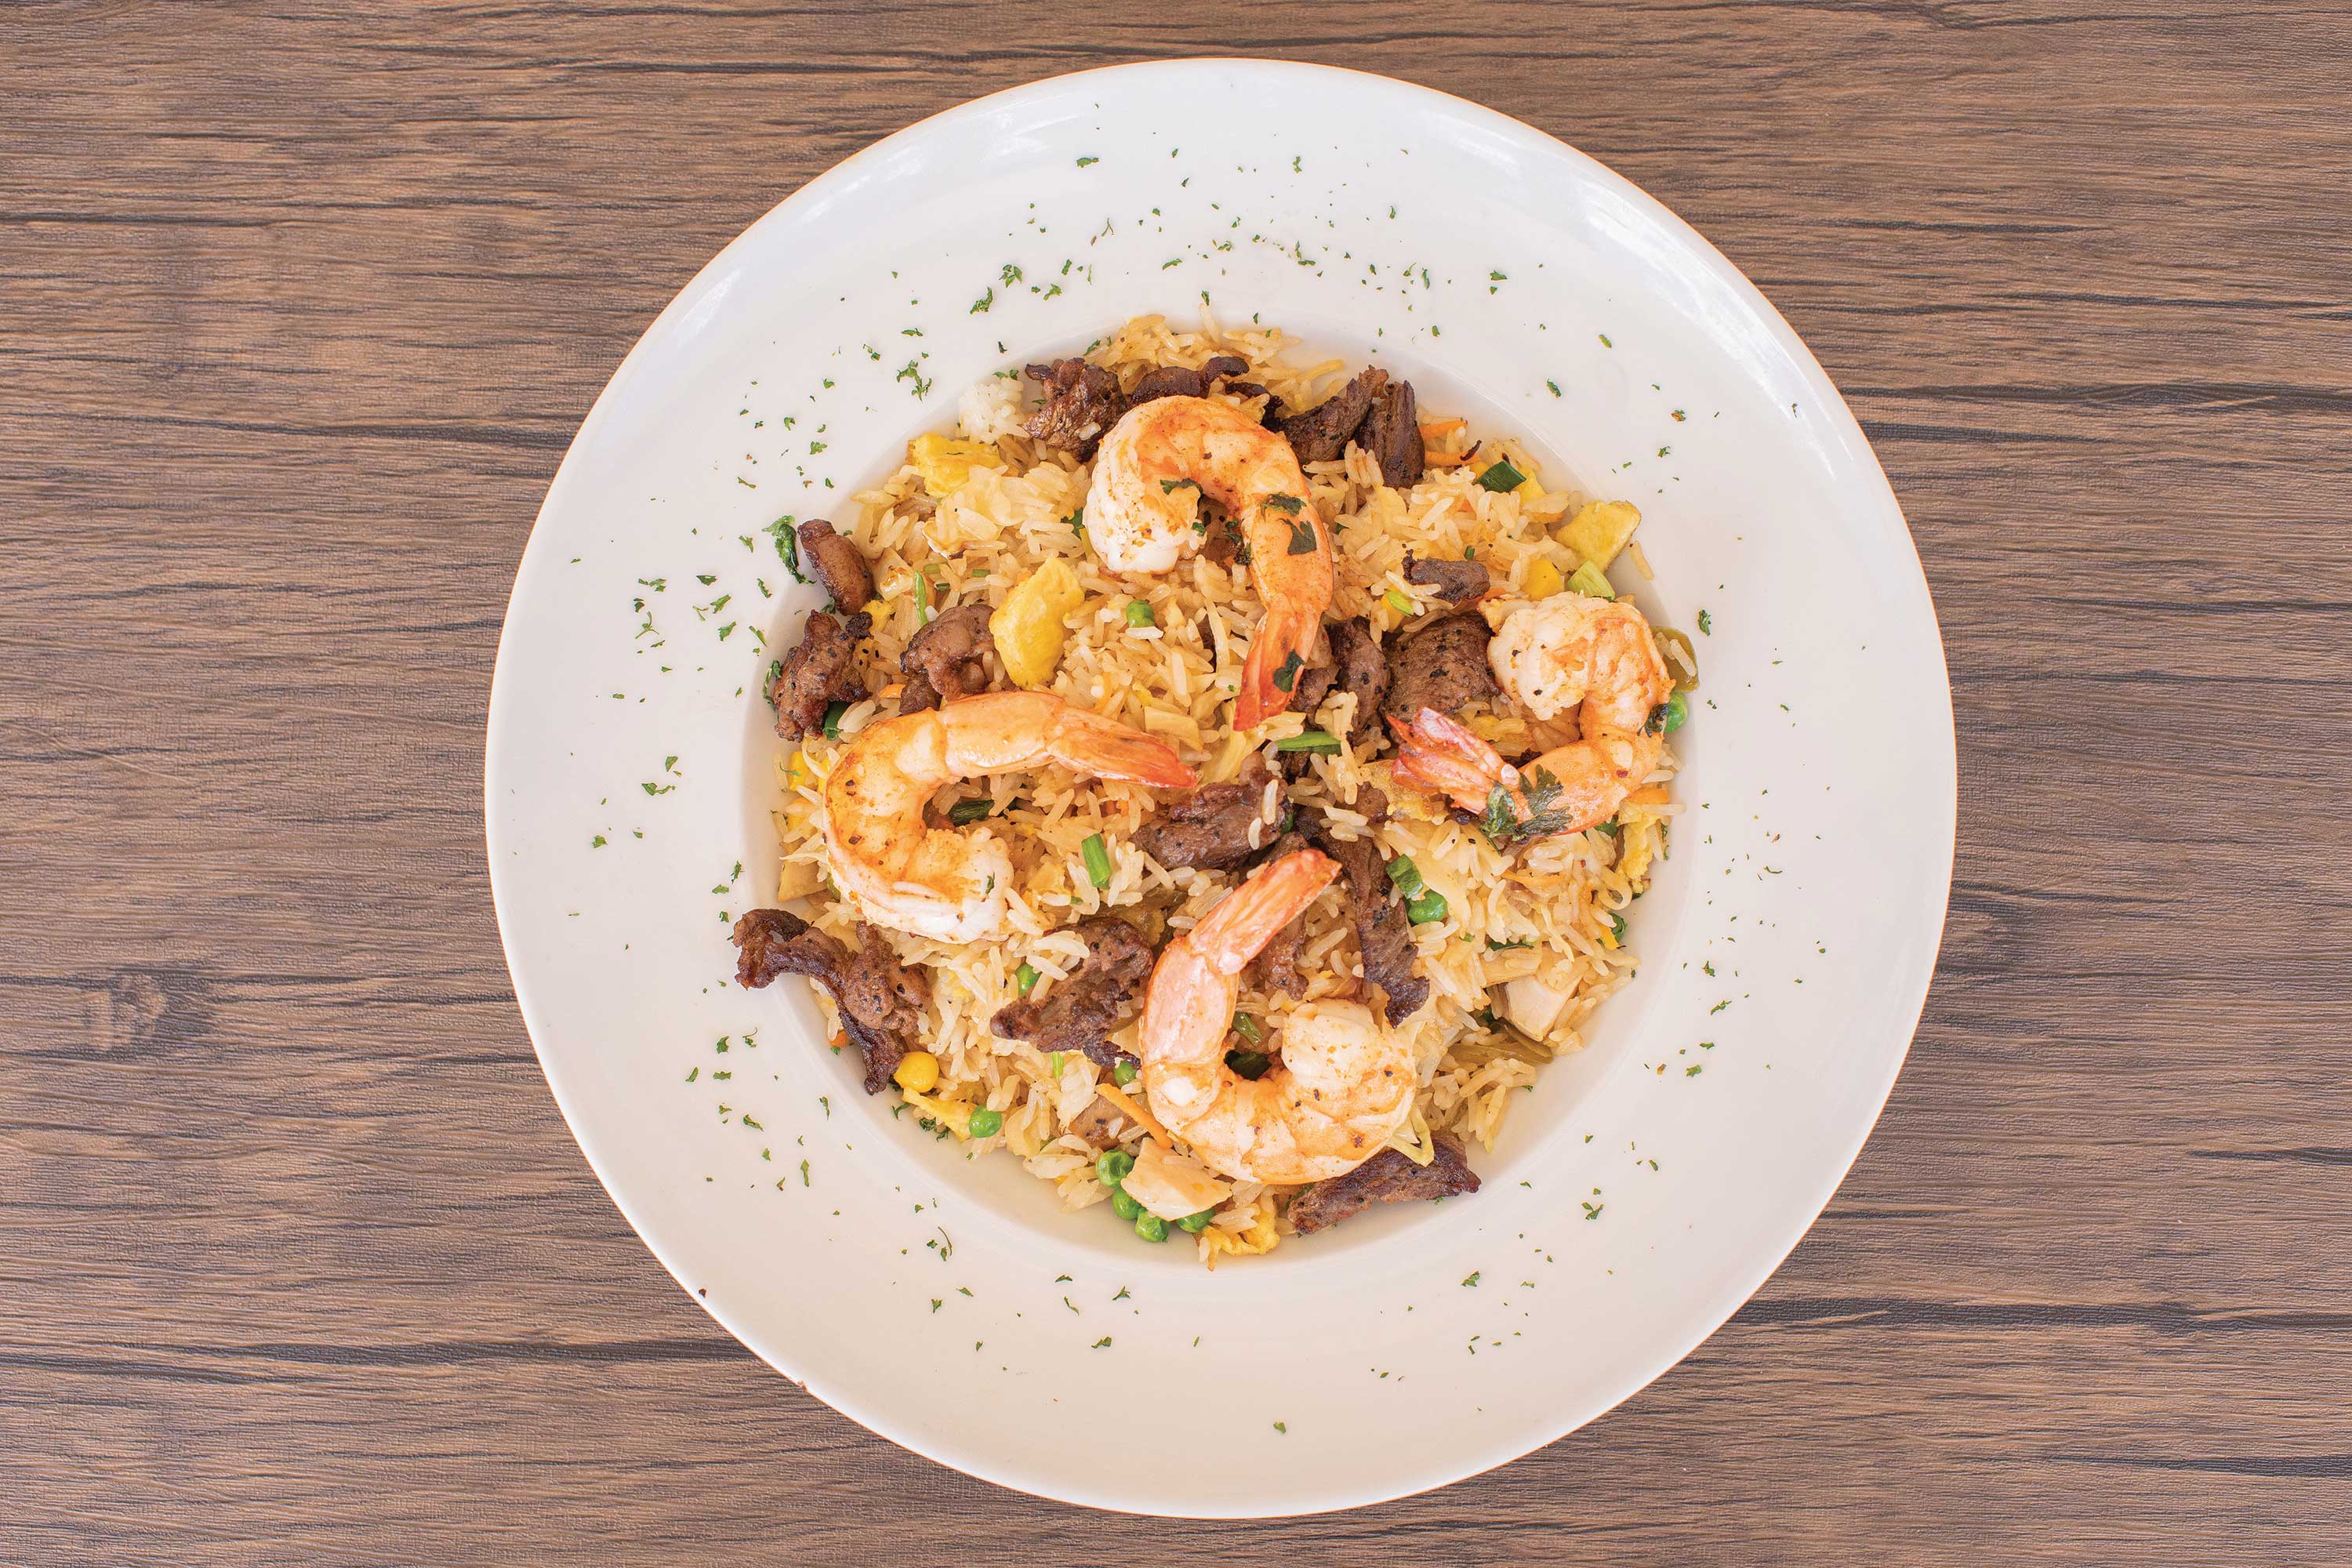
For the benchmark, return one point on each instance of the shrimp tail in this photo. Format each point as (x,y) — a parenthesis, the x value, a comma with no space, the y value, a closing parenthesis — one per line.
(1106,749)
(1270,673)
(1439,753)
(1230,935)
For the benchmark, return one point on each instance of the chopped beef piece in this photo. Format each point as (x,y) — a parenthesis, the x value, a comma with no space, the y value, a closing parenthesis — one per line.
(820,672)
(1359,666)
(1371,803)
(1388,1177)
(947,658)
(1210,827)
(1082,401)
(1457,582)
(1080,1012)
(1383,932)
(1314,684)
(838,564)
(1321,433)
(1176,381)
(1392,434)
(1440,664)
(881,1000)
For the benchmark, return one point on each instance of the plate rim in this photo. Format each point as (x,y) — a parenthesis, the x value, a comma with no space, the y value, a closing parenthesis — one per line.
(1842,424)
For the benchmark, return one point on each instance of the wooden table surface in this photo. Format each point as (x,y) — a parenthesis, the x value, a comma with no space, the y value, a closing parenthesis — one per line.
(299,307)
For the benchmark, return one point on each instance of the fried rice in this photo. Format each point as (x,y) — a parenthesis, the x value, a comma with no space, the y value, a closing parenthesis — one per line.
(1553,912)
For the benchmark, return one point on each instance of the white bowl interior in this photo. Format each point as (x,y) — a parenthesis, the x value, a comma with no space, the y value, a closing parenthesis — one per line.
(1810,877)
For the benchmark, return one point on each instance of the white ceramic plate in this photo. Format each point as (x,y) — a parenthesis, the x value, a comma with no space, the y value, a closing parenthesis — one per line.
(1640,1193)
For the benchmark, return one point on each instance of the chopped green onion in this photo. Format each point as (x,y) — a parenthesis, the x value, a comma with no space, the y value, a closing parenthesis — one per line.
(1249,1064)
(1246,1027)
(1054,1063)
(833,720)
(1126,1207)
(1197,1223)
(1677,711)
(1502,477)
(1319,740)
(1493,946)
(1125,1072)
(1590,581)
(986,1123)
(1139,613)
(1077,521)
(1430,906)
(1617,927)
(964,813)
(923,611)
(1396,599)
(1097,860)
(1151,1228)
(1406,876)
(1112,1167)
(1026,978)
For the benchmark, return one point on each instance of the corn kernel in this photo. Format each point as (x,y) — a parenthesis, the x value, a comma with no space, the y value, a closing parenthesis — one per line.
(918,1071)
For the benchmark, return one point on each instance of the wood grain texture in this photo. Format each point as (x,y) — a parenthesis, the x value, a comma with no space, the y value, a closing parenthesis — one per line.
(298,305)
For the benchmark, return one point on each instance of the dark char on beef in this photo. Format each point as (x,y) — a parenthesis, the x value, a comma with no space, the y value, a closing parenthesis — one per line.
(881,1000)
(1388,1177)
(838,564)
(1077,1014)
(1457,582)
(1082,401)
(1440,664)
(948,659)
(820,671)
(1210,826)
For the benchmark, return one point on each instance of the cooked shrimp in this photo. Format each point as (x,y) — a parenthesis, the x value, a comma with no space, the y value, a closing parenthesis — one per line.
(945,883)
(1344,1085)
(1142,515)
(1595,655)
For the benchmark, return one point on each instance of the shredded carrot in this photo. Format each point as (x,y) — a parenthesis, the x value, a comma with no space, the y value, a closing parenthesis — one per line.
(1432,428)
(840,1038)
(1446,459)
(1135,1113)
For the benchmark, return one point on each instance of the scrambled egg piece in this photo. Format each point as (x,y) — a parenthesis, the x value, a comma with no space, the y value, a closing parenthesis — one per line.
(1600,530)
(946,463)
(1028,627)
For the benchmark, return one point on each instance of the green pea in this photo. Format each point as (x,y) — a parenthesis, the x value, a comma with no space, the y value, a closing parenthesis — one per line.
(1125,1072)
(986,1123)
(1123,1207)
(1138,612)
(1112,1165)
(1151,1228)
(1197,1223)
(1025,977)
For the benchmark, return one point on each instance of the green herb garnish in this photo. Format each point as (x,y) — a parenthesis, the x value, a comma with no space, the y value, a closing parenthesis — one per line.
(1321,742)
(1502,477)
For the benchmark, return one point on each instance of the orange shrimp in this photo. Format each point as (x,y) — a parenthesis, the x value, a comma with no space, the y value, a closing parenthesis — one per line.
(1142,511)
(942,882)
(1344,1083)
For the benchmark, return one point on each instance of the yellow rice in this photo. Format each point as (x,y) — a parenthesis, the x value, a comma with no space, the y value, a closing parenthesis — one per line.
(1542,910)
